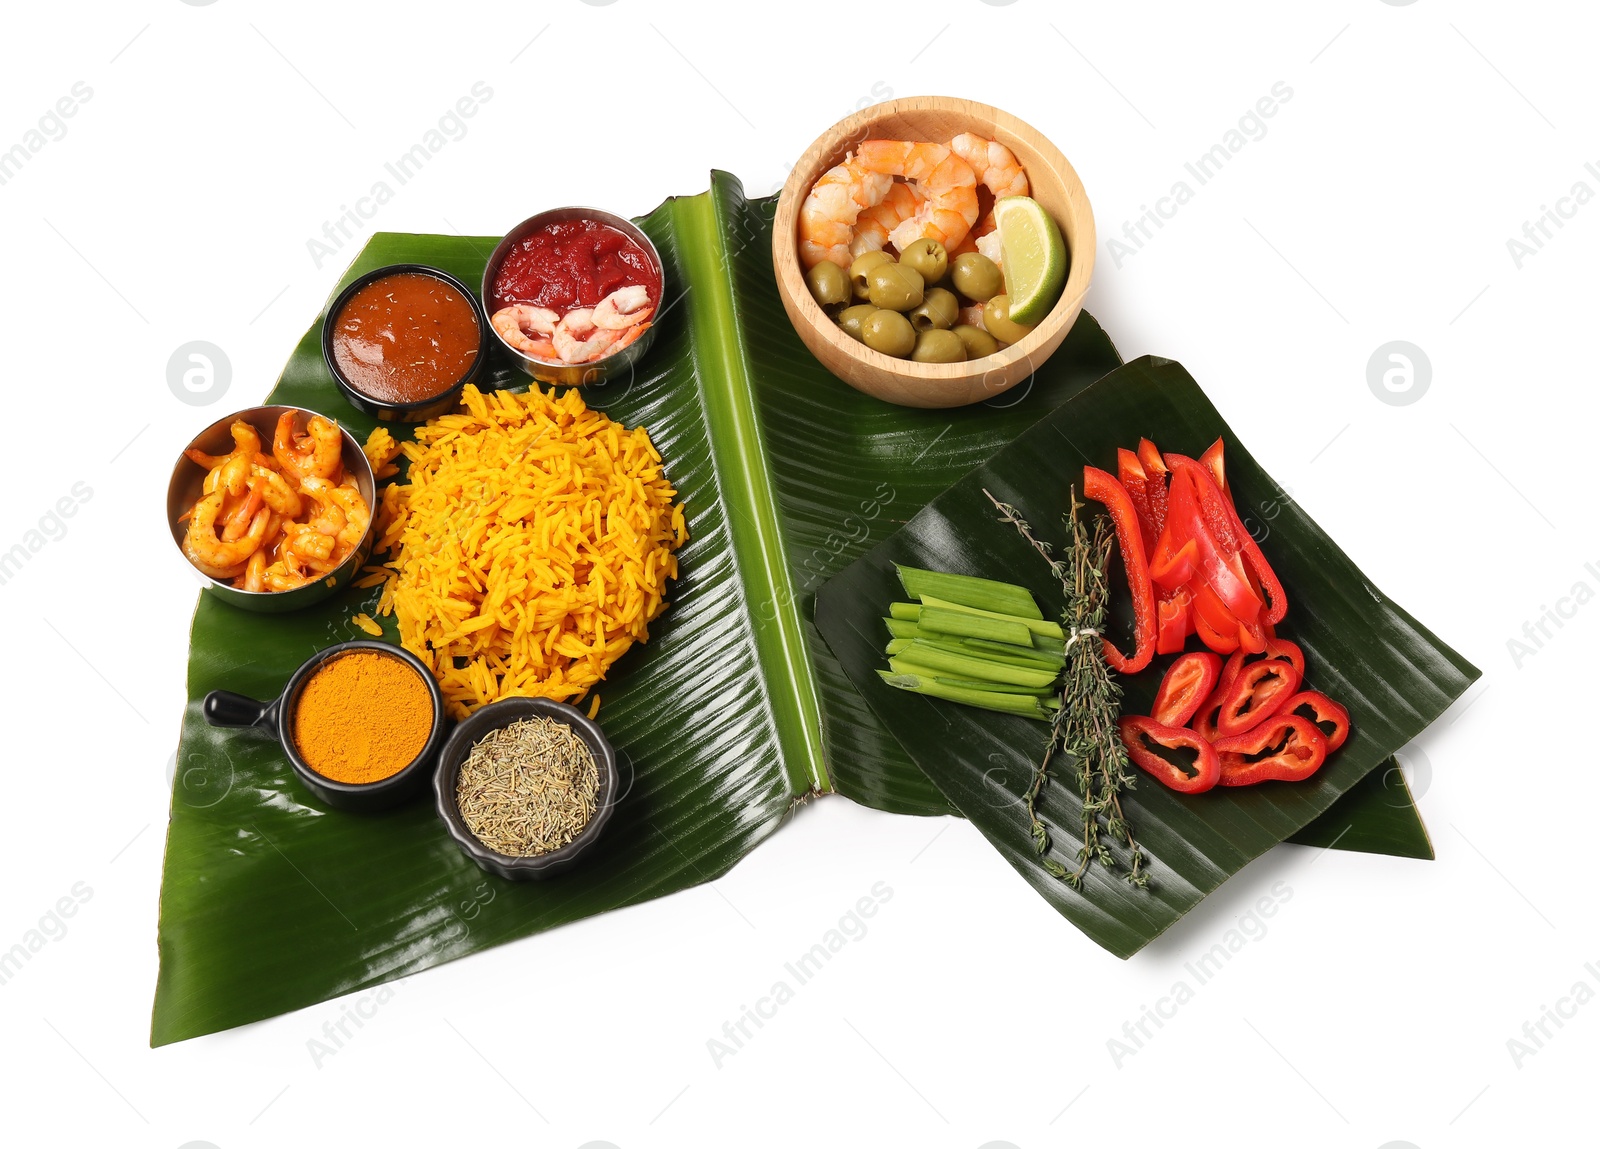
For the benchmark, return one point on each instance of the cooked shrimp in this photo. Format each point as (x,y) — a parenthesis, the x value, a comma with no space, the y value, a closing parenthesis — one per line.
(330,518)
(280,576)
(527,328)
(627,336)
(237,521)
(989,245)
(210,553)
(947,180)
(828,216)
(254,577)
(875,223)
(317,454)
(275,491)
(578,340)
(623,308)
(993,164)
(357,515)
(246,442)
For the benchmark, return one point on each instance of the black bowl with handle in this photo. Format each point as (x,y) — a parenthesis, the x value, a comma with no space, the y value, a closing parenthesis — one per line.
(276,717)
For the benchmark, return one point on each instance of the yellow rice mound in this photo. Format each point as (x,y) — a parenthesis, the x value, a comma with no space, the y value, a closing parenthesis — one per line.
(532,542)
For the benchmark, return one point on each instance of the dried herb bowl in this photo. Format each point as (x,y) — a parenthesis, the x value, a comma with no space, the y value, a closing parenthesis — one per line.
(496,716)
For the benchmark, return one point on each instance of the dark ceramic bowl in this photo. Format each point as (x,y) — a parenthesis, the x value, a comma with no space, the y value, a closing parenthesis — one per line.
(501,714)
(421,409)
(225,708)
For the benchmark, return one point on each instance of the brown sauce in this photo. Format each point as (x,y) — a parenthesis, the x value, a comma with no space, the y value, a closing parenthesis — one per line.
(406,337)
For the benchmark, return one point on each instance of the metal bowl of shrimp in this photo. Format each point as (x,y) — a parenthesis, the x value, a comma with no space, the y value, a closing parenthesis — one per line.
(951,127)
(273,508)
(584,345)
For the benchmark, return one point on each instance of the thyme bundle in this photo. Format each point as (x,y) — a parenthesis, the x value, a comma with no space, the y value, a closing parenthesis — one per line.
(1084,730)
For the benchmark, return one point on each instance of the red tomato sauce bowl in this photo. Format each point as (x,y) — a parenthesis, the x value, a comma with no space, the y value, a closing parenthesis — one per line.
(403,341)
(573,259)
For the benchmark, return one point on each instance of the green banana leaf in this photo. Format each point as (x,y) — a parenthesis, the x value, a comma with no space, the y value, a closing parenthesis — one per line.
(732,712)
(1361,648)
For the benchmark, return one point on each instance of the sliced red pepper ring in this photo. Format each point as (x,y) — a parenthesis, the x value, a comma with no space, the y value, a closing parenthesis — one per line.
(1188,682)
(1252,638)
(1179,759)
(1277,649)
(1331,720)
(1255,694)
(1286,748)
(1104,488)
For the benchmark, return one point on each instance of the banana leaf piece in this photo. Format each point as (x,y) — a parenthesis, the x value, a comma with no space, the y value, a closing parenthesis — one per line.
(732,712)
(1361,648)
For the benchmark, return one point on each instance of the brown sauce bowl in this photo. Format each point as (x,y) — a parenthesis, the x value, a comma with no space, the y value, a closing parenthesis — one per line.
(410,411)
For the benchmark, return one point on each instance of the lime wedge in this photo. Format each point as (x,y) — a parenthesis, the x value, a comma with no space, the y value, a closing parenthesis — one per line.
(1034,257)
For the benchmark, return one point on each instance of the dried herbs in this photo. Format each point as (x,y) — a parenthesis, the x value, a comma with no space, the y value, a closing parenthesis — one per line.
(528,788)
(1085,729)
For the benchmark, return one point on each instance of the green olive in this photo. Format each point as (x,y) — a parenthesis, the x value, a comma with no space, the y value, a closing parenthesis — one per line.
(851,319)
(927,257)
(939,308)
(936,345)
(889,332)
(976,276)
(977,341)
(895,286)
(997,320)
(862,267)
(828,284)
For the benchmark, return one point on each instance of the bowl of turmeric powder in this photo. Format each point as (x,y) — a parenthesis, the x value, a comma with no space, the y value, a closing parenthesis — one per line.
(361,723)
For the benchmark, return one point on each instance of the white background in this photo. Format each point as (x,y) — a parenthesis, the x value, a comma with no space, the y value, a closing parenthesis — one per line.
(1377,1006)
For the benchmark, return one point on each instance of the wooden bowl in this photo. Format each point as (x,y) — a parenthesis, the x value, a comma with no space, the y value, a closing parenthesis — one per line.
(937,118)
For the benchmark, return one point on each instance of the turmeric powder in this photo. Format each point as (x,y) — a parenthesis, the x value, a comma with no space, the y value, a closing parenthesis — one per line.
(362,717)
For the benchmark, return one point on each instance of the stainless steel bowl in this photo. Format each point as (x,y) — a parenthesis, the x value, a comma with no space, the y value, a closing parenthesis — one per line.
(576,374)
(185,487)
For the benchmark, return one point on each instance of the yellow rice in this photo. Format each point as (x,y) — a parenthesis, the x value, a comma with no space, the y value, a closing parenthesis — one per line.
(531,544)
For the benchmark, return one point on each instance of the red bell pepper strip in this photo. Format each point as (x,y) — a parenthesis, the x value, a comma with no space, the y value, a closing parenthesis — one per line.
(1196,510)
(1285,748)
(1254,695)
(1155,483)
(1223,642)
(1212,461)
(1173,623)
(1131,474)
(1170,569)
(1188,682)
(1330,719)
(1179,759)
(1103,488)
(1261,576)
(1252,638)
